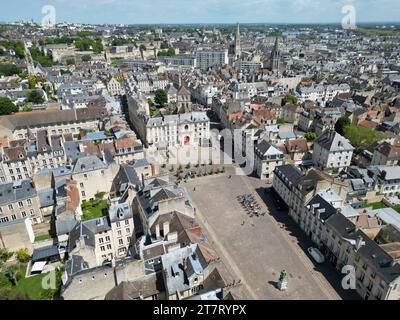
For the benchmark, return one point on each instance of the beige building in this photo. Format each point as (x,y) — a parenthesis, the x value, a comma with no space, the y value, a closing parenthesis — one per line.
(20,125)
(17,234)
(93,176)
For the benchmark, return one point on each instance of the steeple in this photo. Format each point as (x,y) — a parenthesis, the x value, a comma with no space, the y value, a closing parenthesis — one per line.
(275,56)
(238,48)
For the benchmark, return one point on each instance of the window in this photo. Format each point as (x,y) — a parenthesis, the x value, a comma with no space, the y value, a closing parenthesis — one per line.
(107,238)
(102,248)
(109,246)
(128,231)
(128,239)
(23,213)
(121,242)
(14,217)
(81,184)
(29,201)
(118,225)
(101,240)
(127,222)
(83,193)
(10,207)
(119,232)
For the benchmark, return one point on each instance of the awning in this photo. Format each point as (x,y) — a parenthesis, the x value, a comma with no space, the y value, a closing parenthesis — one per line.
(38,266)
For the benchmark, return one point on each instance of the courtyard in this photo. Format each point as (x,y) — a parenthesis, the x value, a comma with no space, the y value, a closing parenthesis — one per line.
(257,248)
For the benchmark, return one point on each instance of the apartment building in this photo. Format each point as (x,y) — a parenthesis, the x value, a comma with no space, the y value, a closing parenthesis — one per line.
(266,159)
(19,200)
(345,244)
(206,59)
(332,151)
(104,239)
(93,176)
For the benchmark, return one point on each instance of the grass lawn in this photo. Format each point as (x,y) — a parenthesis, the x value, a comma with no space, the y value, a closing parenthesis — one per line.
(94,209)
(32,286)
(42,237)
(377,205)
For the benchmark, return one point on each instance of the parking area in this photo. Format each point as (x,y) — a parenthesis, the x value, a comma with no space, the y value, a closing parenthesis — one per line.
(258,247)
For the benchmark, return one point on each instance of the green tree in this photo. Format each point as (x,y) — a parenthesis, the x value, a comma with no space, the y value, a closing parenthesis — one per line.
(23,255)
(160,97)
(362,137)
(14,273)
(9,69)
(86,58)
(34,96)
(164,45)
(6,106)
(310,136)
(341,124)
(70,61)
(289,98)
(280,121)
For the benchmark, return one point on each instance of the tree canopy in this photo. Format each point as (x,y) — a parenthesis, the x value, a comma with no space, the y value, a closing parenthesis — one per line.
(362,137)
(160,97)
(289,98)
(341,124)
(7,107)
(34,96)
(310,136)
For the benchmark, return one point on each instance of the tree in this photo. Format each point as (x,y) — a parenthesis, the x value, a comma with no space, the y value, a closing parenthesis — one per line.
(14,273)
(9,70)
(164,45)
(289,98)
(341,124)
(7,106)
(362,137)
(310,136)
(86,58)
(23,255)
(34,96)
(280,121)
(70,62)
(160,97)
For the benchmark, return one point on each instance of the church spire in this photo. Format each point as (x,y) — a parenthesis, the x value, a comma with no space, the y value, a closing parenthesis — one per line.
(238,48)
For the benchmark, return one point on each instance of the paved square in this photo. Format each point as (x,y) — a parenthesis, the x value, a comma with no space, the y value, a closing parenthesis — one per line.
(259,250)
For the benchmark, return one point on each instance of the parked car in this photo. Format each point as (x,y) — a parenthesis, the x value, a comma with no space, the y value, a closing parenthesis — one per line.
(317,255)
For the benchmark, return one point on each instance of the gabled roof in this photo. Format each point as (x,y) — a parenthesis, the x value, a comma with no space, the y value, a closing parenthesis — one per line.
(333,141)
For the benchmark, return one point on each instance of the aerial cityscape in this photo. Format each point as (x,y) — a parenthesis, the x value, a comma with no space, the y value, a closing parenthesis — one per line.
(217,151)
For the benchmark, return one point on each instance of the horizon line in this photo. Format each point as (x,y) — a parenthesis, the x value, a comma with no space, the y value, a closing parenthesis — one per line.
(203,23)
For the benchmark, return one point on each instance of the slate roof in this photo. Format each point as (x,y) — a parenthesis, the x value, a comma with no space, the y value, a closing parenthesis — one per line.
(332,141)
(16,191)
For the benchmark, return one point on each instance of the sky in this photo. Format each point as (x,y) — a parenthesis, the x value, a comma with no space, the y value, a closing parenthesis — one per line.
(200,11)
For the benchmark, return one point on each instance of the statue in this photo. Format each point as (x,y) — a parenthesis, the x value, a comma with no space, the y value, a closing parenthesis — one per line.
(282,285)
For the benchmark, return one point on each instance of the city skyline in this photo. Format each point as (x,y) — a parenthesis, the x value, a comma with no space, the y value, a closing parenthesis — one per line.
(203,12)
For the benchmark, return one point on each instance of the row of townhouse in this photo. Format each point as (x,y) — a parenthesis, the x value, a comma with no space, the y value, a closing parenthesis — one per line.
(315,203)
(20,125)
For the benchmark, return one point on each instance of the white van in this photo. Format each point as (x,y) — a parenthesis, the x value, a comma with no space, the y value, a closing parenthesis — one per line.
(317,255)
